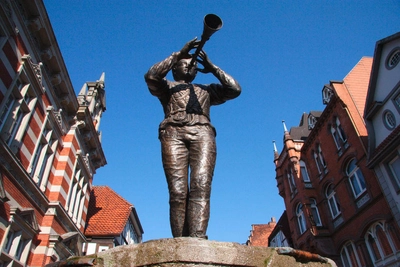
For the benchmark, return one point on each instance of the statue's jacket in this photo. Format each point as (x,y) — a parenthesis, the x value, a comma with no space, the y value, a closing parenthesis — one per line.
(188,104)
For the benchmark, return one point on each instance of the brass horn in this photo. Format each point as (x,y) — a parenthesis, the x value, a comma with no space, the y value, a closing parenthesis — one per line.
(212,23)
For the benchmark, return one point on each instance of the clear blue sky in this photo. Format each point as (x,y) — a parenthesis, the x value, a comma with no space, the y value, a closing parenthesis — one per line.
(281,52)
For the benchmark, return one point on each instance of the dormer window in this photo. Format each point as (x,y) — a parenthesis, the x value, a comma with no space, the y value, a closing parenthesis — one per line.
(327,93)
(312,121)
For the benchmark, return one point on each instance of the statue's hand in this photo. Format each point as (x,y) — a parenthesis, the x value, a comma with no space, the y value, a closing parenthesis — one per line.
(184,52)
(203,59)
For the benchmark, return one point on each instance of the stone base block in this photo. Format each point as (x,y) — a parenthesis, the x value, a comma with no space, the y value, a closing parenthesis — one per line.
(190,252)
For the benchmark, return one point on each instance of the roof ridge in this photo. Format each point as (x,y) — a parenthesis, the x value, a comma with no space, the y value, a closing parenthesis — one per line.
(115,193)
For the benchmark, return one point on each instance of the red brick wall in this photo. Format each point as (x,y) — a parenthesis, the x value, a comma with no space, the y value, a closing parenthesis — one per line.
(328,240)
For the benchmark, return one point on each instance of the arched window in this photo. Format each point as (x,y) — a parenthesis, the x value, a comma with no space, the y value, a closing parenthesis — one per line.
(317,162)
(304,172)
(339,136)
(292,184)
(383,240)
(334,205)
(315,213)
(319,159)
(379,242)
(335,135)
(349,255)
(301,220)
(340,131)
(356,178)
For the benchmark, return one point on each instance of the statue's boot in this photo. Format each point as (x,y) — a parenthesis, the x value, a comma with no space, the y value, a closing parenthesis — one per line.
(198,216)
(177,217)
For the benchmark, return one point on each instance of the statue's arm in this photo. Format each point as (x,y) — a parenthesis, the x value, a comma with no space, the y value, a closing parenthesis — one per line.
(155,76)
(230,87)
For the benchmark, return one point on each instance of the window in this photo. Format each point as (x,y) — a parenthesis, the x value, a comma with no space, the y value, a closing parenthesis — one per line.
(3,38)
(129,235)
(76,195)
(292,184)
(300,218)
(279,240)
(356,179)
(303,171)
(334,205)
(3,195)
(389,120)
(340,131)
(393,59)
(321,157)
(396,99)
(349,255)
(316,219)
(16,244)
(8,105)
(335,137)
(379,242)
(394,172)
(327,94)
(18,237)
(312,120)
(43,156)
(19,102)
(339,136)
(319,160)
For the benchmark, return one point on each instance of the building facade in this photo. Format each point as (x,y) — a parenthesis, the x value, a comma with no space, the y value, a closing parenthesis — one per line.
(382,116)
(259,234)
(334,204)
(123,229)
(50,143)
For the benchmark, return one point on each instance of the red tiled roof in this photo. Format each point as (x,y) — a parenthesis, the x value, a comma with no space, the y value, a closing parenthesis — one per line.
(108,212)
(357,82)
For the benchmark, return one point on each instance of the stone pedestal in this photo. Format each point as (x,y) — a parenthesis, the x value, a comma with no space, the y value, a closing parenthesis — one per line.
(190,252)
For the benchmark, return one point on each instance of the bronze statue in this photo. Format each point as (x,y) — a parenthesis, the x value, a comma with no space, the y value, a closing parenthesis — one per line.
(187,135)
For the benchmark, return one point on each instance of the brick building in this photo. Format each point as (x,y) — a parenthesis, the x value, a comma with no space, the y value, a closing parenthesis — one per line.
(334,204)
(260,232)
(50,141)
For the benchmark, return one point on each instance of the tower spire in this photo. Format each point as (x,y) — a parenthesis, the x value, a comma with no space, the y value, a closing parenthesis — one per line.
(276,154)
(284,126)
(102,77)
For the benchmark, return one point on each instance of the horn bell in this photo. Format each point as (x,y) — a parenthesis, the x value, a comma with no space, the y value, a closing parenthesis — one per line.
(212,23)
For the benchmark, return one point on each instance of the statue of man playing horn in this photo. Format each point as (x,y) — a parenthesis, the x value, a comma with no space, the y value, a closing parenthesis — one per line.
(187,135)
